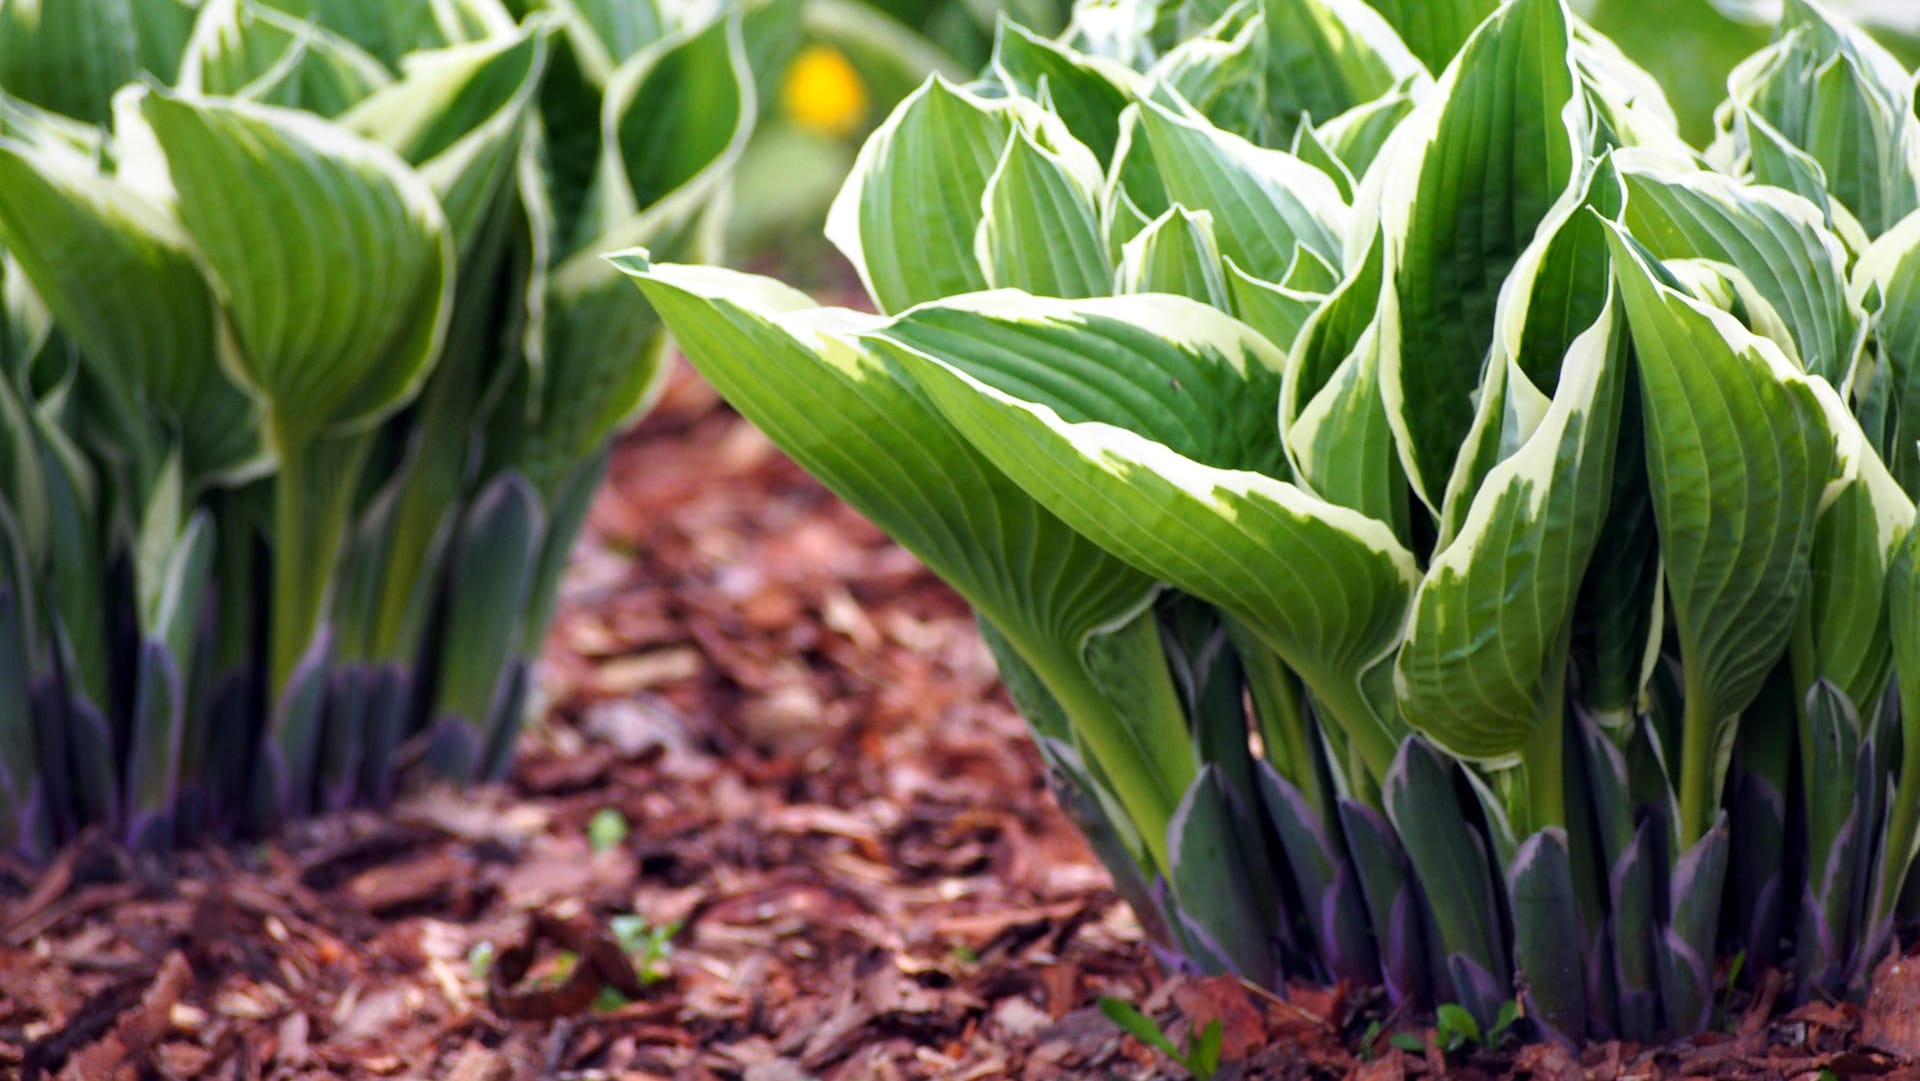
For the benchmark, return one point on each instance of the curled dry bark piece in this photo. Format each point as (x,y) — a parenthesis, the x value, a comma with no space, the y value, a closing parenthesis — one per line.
(601,963)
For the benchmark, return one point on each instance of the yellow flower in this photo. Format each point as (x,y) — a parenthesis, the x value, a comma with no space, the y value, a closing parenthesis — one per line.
(823,93)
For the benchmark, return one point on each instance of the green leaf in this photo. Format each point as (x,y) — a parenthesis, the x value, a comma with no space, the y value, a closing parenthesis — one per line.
(1264,201)
(1358,135)
(1832,91)
(909,213)
(1220,78)
(1087,92)
(1435,29)
(1902,836)
(1203,1058)
(1324,57)
(1408,1042)
(1176,253)
(1737,478)
(621,27)
(1322,586)
(70,55)
(1485,650)
(1859,531)
(1889,270)
(604,358)
(458,115)
(244,49)
(1454,1023)
(1777,240)
(1138,1025)
(1276,311)
(1332,415)
(119,275)
(1554,294)
(1461,188)
(1041,231)
(606,829)
(336,323)
(853,416)
(491,569)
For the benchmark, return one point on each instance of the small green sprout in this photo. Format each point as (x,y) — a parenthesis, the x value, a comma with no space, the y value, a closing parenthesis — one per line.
(1201,1056)
(650,947)
(606,830)
(480,959)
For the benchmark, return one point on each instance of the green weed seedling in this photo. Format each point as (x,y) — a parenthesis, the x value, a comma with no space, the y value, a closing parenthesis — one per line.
(1201,1055)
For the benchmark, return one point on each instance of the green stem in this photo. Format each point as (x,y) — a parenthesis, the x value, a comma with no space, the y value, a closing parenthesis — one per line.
(1285,729)
(1369,736)
(1543,759)
(1697,795)
(313,496)
(1137,734)
(1543,762)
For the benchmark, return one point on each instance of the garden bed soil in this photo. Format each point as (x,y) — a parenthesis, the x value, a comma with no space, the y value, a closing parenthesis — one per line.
(775,741)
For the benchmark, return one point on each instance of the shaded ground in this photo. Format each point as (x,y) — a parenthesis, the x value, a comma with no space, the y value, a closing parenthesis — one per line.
(780,825)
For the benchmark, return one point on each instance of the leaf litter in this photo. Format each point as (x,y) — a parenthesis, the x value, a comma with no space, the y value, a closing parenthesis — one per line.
(780,823)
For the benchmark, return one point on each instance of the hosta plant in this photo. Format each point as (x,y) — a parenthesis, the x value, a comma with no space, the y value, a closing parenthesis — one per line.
(309,367)
(1446,532)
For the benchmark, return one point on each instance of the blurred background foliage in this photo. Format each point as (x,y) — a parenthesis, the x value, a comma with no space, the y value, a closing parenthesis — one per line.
(1691,45)
(860,57)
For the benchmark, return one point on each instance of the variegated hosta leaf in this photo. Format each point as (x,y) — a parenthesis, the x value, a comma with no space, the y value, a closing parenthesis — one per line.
(1778,240)
(1324,587)
(1838,95)
(1357,136)
(70,55)
(1178,373)
(1308,147)
(385,29)
(118,273)
(854,416)
(1553,295)
(908,215)
(247,49)
(1628,106)
(657,178)
(1738,457)
(337,318)
(457,115)
(1859,531)
(1486,648)
(1332,415)
(1278,311)
(1325,57)
(1177,254)
(1088,92)
(647,157)
(1041,230)
(620,27)
(1221,77)
(1263,201)
(1774,161)
(1460,189)
(1435,29)
(1888,275)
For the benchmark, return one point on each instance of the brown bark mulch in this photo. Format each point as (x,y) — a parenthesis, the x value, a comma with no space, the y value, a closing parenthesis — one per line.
(780,824)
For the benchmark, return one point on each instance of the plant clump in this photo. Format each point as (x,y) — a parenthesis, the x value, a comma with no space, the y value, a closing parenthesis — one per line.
(1445,532)
(308,368)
